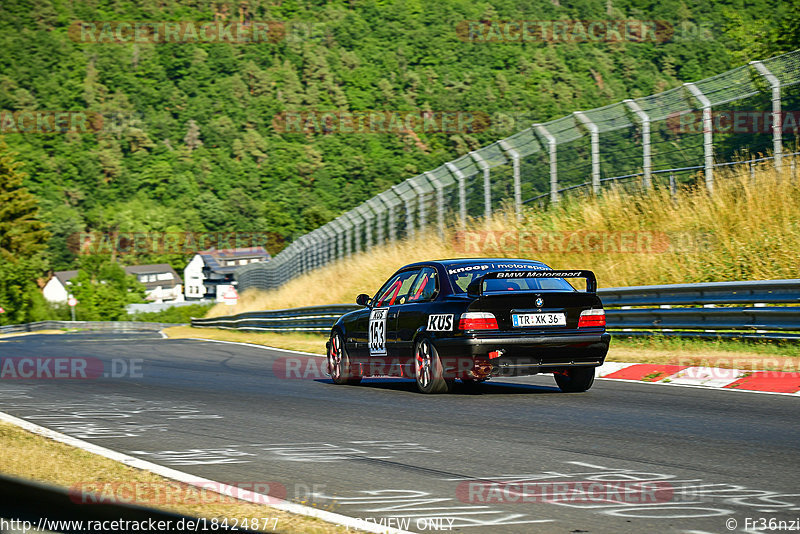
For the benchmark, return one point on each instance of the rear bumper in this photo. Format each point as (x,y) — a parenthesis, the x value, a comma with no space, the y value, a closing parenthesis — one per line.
(519,355)
(548,341)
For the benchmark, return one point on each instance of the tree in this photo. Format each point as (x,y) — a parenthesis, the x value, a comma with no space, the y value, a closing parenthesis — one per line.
(22,234)
(192,138)
(103,290)
(23,238)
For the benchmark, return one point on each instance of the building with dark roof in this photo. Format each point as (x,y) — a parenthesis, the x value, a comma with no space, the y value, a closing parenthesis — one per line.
(210,272)
(161,281)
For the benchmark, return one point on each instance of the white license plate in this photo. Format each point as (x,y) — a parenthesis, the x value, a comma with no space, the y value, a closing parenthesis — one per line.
(538,319)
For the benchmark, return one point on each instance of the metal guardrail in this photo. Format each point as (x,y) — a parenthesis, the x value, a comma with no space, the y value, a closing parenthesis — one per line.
(106,326)
(706,318)
(760,291)
(703,319)
(309,319)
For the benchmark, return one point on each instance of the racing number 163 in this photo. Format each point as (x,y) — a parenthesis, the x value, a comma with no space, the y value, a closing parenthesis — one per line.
(377,331)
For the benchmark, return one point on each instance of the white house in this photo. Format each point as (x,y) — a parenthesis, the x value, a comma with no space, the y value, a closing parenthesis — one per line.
(160,280)
(209,274)
(57,288)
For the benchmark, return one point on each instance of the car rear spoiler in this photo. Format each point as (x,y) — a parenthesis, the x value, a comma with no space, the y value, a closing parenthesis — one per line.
(475,288)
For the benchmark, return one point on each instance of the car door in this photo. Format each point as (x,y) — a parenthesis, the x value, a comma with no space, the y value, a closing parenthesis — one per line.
(382,332)
(414,312)
(356,341)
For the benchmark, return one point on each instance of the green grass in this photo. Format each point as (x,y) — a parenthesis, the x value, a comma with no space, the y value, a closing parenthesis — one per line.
(688,346)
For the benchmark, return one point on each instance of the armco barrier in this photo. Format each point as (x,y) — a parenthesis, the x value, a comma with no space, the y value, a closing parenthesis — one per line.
(755,291)
(105,326)
(308,319)
(702,319)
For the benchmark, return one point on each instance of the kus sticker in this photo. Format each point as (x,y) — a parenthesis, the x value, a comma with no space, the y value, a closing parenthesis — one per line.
(440,323)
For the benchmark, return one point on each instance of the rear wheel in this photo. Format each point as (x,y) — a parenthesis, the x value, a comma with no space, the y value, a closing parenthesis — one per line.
(339,362)
(575,379)
(429,371)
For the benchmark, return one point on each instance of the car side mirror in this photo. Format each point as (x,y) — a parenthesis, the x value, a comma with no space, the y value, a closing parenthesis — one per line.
(362,299)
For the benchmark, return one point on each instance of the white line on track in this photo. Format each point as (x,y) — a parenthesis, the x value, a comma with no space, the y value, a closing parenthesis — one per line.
(205,484)
(265,347)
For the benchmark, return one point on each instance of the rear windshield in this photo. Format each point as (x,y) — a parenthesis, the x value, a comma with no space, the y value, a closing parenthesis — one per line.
(462,275)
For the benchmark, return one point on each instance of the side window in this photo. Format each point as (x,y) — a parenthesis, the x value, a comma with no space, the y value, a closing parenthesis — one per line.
(425,286)
(396,290)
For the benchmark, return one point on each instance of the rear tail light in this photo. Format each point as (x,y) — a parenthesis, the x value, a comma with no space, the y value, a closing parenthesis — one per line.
(477,321)
(592,318)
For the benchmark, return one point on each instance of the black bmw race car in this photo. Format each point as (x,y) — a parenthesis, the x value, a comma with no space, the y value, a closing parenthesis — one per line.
(473,319)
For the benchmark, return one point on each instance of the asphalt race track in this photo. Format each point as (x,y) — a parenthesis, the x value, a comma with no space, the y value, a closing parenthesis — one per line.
(515,456)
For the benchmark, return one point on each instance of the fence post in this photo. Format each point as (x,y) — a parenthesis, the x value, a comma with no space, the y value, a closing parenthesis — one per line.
(647,169)
(333,249)
(366,215)
(462,192)
(302,252)
(439,201)
(409,215)
(708,139)
(297,268)
(358,221)
(487,184)
(338,229)
(421,216)
(322,243)
(594,136)
(349,233)
(319,241)
(377,207)
(316,258)
(322,257)
(514,155)
(310,251)
(777,123)
(551,143)
(391,222)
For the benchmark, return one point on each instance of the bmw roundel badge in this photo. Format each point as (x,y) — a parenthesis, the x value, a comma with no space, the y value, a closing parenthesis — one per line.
(539,302)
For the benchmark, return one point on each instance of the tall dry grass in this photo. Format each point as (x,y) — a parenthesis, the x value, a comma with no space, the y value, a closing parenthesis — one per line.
(749,229)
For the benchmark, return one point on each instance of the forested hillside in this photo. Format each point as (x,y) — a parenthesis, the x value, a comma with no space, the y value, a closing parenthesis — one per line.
(189,141)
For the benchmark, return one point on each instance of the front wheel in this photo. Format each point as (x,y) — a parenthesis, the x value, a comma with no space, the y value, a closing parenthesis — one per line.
(429,370)
(339,362)
(575,379)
